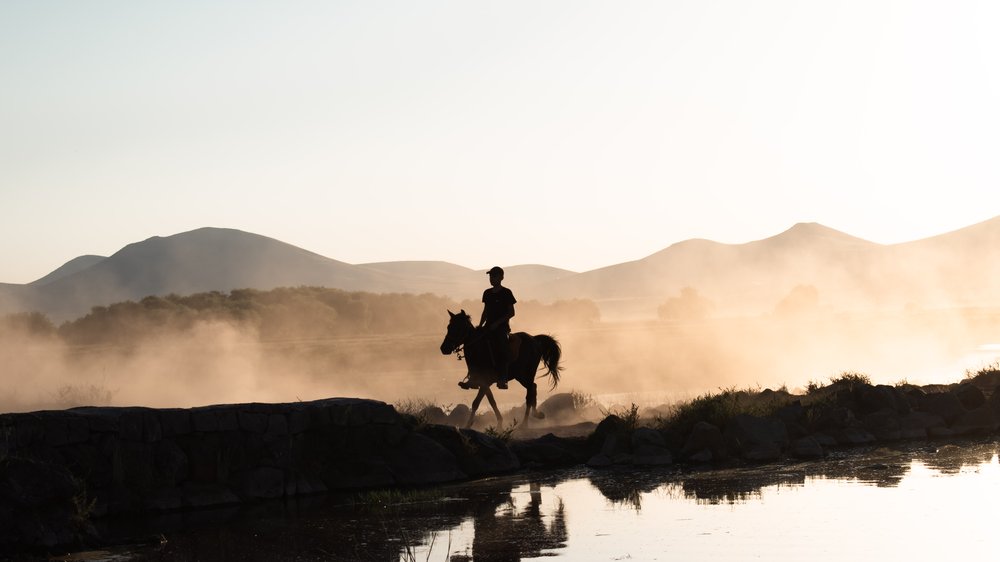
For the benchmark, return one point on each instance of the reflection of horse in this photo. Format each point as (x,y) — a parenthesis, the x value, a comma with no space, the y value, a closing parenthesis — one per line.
(528,352)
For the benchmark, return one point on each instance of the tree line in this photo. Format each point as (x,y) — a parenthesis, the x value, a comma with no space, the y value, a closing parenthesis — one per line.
(279,314)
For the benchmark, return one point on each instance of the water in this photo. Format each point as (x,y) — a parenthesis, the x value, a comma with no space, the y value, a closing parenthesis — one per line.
(916,502)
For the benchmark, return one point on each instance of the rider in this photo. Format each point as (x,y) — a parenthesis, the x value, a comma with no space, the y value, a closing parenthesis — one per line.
(498,309)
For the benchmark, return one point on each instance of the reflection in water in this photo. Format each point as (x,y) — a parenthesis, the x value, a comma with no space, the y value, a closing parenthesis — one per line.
(513,533)
(882,504)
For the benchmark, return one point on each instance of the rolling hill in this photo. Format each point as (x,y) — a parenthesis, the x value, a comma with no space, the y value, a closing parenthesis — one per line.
(958,268)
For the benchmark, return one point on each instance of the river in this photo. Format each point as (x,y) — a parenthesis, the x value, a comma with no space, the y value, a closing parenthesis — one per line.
(915,501)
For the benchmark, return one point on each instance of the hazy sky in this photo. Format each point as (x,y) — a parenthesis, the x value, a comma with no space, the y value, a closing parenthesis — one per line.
(575,134)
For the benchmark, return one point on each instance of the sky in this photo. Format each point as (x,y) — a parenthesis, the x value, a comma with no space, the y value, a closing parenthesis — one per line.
(574,134)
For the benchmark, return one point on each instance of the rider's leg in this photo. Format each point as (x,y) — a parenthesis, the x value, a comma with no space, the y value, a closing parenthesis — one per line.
(502,358)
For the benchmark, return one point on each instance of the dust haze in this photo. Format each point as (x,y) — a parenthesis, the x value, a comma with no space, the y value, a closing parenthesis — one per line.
(673,355)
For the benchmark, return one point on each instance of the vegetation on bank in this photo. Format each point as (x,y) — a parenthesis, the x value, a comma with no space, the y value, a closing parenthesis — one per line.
(716,408)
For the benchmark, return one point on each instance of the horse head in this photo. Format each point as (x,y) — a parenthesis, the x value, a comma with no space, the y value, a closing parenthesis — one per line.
(459,328)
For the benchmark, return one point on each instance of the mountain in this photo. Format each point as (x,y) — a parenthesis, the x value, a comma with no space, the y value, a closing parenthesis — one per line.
(69,268)
(958,268)
(954,269)
(459,282)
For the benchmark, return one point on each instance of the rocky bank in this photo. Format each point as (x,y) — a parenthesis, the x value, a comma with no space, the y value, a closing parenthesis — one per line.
(62,470)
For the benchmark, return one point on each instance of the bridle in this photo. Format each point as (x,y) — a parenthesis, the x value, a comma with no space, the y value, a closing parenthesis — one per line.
(469,336)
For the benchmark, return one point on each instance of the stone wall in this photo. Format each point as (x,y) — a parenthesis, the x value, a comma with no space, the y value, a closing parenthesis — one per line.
(59,470)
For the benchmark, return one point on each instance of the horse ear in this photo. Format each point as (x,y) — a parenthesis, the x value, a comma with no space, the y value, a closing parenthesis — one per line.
(463,312)
(452,314)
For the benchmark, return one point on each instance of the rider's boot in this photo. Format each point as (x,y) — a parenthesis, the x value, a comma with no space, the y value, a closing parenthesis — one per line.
(502,376)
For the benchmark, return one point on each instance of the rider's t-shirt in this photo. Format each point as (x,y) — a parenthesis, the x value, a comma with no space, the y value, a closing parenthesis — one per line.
(496,305)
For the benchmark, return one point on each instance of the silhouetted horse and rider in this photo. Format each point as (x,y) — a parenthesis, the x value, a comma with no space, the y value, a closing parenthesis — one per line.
(493,355)
(473,343)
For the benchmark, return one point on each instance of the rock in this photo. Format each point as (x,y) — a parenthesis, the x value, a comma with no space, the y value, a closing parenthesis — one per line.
(37,507)
(832,418)
(560,407)
(870,399)
(599,461)
(756,438)
(263,482)
(421,460)
(550,451)
(701,456)
(609,438)
(824,439)
(478,454)
(975,422)
(433,415)
(883,424)
(648,455)
(940,432)
(648,437)
(794,417)
(253,422)
(459,415)
(920,420)
(806,448)
(970,396)
(944,404)
(704,438)
(853,436)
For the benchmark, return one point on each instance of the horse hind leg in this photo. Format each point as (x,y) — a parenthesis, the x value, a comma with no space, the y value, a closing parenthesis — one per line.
(531,403)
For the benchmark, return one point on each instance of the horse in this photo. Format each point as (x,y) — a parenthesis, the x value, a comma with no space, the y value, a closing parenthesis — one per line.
(464,338)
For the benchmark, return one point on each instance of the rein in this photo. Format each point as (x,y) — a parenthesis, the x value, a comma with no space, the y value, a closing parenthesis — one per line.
(460,348)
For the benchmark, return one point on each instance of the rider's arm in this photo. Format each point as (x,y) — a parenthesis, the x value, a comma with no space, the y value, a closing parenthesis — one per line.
(505,318)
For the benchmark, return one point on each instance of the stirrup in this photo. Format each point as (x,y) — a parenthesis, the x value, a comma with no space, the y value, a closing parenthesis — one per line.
(502,385)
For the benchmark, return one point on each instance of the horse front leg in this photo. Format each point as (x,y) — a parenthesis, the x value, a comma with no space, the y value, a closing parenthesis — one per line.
(475,405)
(493,404)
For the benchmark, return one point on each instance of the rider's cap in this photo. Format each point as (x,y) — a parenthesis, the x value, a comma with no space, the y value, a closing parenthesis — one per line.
(495,269)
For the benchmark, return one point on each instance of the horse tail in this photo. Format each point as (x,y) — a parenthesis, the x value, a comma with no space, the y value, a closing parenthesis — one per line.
(551,352)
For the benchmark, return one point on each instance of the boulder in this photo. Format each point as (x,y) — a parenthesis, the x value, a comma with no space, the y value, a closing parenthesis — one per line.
(756,438)
(478,454)
(870,399)
(833,418)
(853,436)
(944,404)
(704,443)
(560,406)
(806,448)
(550,451)
(649,448)
(970,395)
(883,424)
(433,414)
(979,421)
(610,438)
(459,415)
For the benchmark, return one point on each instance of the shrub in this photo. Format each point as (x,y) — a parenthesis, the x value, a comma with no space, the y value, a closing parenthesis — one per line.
(629,416)
(718,409)
(502,433)
(851,378)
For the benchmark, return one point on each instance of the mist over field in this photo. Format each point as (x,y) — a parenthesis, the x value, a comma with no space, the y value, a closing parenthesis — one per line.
(136,354)
(802,306)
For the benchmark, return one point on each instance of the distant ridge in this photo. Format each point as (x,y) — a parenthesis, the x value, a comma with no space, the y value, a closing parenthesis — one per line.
(69,268)
(958,268)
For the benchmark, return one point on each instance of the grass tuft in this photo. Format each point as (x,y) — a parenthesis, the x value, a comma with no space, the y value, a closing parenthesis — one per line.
(504,434)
